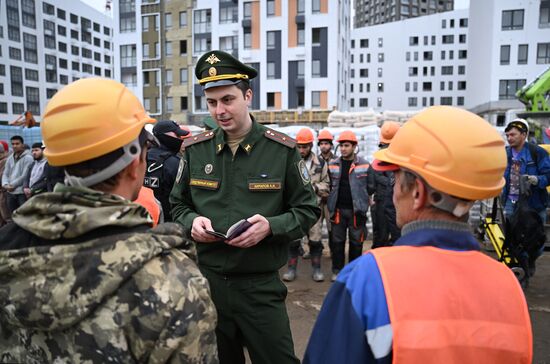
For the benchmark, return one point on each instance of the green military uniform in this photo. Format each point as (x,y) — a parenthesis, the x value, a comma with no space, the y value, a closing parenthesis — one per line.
(84,280)
(266,177)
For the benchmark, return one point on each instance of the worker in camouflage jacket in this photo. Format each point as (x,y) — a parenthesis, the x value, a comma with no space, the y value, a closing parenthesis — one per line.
(83,277)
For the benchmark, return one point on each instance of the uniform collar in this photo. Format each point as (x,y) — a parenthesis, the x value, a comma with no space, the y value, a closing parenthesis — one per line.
(249,141)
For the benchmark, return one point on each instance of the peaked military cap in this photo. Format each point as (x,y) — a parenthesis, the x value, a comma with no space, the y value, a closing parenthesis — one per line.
(217,68)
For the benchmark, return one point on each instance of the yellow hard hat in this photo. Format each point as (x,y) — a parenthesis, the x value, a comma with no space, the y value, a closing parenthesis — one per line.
(90,118)
(455,151)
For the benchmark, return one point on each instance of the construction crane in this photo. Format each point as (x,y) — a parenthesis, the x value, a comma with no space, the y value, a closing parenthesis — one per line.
(535,96)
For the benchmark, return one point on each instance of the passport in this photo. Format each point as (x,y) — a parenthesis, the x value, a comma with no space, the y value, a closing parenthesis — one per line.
(235,230)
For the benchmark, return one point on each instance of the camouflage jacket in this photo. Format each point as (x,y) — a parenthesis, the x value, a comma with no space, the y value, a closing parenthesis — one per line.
(135,296)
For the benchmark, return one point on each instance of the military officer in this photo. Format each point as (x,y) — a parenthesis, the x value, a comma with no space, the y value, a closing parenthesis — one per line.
(243,170)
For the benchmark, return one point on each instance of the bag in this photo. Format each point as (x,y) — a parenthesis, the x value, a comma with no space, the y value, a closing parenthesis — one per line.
(154,173)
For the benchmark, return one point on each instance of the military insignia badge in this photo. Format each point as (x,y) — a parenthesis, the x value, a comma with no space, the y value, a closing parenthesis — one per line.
(212,59)
(212,71)
(208,168)
(304,173)
(181,168)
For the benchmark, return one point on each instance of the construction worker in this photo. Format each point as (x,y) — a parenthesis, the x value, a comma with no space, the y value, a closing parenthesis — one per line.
(324,142)
(318,172)
(147,199)
(4,212)
(532,161)
(433,297)
(348,202)
(15,173)
(85,278)
(380,185)
(241,170)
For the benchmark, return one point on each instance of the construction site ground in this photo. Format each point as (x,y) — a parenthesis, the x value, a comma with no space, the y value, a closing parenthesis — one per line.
(305,298)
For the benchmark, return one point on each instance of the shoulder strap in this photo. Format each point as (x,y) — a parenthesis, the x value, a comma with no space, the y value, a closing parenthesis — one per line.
(280,138)
(207,135)
(534,155)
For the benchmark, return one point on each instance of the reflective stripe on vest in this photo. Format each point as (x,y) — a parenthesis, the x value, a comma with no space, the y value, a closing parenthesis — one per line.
(146,198)
(453,307)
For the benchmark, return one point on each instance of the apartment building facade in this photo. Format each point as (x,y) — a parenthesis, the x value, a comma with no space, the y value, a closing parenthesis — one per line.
(44,45)
(410,64)
(374,12)
(511,47)
(299,48)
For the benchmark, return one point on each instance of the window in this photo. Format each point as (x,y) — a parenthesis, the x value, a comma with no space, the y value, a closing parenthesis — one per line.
(407,86)
(229,14)
(128,25)
(316,68)
(543,53)
(504,54)
(271,99)
(463,23)
(30,50)
(15,53)
(62,47)
(380,57)
(364,43)
(202,21)
(183,19)
(247,10)
(247,38)
(301,35)
(146,50)
(169,104)
(460,100)
(18,108)
(107,59)
(147,104)
(442,86)
(462,38)
(522,53)
(202,45)
(270,70)
(544,14)
(28,13)
(413,71)
(106,44)
(145,24)
(12,14)
(168,48)
(363,102)
(168,20)
(61,14)
(183,47)
(426,86)
(74,34)
(128,56)
(316,37)
(31,75)
(379,102)
(183,103)
(315,6)
(315,98)
(447,39)
(461,85)
(97,71)
(48,9)
(16,81)
(86,53)
(3,105)
(461,70)
(157,49)
(512,19)
(412,101)
(507,88)
(169,77)
(63,63)
(49,34)
(61,30)
(97,28)
(183,75)
(380,42)
(428,56)
(146,80)
(380,87)
(270,9)
(413,41)
(364,72)
(462,54)
(300,6)
(271,40)
(87,68)
(446,100)
(300,69)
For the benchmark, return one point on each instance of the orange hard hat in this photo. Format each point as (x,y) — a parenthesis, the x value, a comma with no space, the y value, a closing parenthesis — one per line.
(347,136)
(90,118)
(455,151)
(325,135)
(304,136)
(388,130)
(185,128)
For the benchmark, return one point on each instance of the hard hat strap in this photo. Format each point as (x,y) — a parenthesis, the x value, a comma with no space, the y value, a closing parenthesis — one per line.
(131,150)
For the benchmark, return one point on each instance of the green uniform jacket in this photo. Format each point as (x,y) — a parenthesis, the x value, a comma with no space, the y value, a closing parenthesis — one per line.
(264,177)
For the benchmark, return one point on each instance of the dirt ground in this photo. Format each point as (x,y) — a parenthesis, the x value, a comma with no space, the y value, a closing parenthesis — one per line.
(305,298)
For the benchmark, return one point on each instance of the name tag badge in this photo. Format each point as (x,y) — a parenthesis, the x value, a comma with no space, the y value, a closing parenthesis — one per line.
(264,186)
(204,183)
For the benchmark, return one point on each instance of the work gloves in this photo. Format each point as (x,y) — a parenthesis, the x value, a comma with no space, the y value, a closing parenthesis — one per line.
(534,180)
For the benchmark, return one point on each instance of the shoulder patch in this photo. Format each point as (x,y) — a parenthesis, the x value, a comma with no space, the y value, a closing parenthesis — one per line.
(207,135)
(280,138)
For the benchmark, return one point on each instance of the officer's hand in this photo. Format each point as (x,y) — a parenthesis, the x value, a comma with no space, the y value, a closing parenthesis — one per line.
(534,180)
(27,192)
(198,233)
(259,230)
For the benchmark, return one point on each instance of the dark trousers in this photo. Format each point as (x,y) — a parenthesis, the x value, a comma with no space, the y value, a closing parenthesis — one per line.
(14,201)
(315,248)
(384,228)
(344,221)
(252,313)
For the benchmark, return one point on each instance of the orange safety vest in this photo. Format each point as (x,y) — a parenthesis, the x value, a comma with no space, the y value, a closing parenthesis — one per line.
(146,198)
(453,307)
